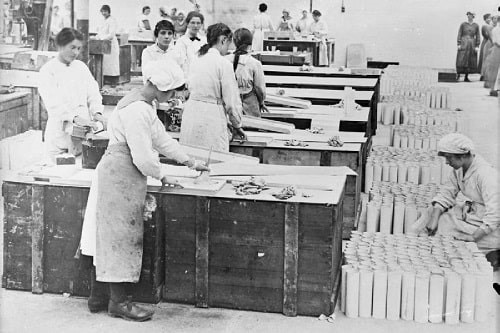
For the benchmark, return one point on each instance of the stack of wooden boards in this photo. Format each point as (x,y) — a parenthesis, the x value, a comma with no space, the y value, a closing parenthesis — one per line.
(219,248)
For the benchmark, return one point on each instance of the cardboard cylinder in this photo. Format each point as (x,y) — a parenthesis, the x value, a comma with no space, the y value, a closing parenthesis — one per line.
(408,295)
(352,292)
(410,217)
(386,219)
(379,294)
(368,176)
(482,301)
(436,298)
(422,297)
(377,171)
(467,299)
(372,217)
(398,219)
(365,293)
(343,284)
(394,280)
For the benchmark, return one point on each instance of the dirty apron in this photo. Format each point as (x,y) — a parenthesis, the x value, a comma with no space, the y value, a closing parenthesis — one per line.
(458,220)
(204,124)
(121,191)
(250,104)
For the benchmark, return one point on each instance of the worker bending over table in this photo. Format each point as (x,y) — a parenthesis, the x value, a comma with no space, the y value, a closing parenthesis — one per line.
(214,98)
(478,219)
(249,74)
(113,226)
(70,94)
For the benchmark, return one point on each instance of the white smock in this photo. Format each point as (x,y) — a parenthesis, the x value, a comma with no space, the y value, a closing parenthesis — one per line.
(186,50)
(320,29)
(214,101)
(111,62)
(261,23)
(67,91)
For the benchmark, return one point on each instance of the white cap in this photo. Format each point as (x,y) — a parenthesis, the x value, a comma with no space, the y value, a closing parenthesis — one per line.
(165,74)
(455,143)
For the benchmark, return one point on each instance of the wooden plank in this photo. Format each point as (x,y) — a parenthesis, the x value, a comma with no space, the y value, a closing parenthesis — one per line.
(268,125)
(291,249)
(280,80)
(201,153)
(43,43)
(321,71)
(19,78)
(273,96)
(202,251)
(37,239)
(318,94)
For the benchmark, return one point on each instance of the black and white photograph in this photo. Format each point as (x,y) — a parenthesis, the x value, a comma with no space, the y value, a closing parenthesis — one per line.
(249,166)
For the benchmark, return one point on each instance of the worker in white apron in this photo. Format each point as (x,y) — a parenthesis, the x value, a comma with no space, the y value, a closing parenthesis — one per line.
(478,218)
(107,31)
(70,94)
(261,23)
(319,29)
(113,226)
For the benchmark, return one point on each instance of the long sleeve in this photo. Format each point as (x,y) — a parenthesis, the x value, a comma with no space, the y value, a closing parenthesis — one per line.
(164,144)
(136,124)
(94,98)
(230,93)
(259,82)
(459,37)
(108,30)
(487,183)
(448,192)
(477,36)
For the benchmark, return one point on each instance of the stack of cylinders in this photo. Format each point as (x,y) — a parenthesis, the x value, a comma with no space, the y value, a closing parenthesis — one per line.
(420,278)
(413,136)
(392,207)
(399,165)
(406,79)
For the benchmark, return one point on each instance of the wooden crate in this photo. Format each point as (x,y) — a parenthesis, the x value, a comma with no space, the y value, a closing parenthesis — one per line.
(252,255)
(42,229)
(15,112)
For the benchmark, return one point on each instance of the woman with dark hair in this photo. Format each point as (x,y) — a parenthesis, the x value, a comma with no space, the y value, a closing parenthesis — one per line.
(113,226)
(107,31)
(187,46)
(261,23)
(214,98)
(249,74)
(285,22)
(319,29)
(468,41)
(70,94)
(164,34)
(144,23)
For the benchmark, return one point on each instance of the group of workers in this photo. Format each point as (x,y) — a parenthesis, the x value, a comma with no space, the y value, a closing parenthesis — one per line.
(221,88)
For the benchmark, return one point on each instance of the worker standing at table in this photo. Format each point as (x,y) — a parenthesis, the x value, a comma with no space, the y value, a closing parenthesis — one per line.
(70,94)
(214,97)
(285,22)
(319,29)
(261,23)
(302,25)
(163,46)
(113,226)
(249,74)
(143,23)
(478,219)
(188,45)
(107,31)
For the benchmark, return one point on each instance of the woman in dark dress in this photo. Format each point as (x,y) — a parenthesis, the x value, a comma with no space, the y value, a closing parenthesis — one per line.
(468,41)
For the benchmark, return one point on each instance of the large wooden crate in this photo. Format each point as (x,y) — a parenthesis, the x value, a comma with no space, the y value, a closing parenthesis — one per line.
(15,112)
(252,254)
(42,229)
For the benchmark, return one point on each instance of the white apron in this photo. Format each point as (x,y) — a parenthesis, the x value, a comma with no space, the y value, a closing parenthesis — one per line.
(111,62)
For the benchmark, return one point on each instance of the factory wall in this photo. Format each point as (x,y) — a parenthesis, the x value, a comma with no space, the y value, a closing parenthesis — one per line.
(416,32)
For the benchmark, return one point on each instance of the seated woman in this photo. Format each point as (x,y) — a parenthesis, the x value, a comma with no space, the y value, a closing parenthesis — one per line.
(478,219)
(249,74)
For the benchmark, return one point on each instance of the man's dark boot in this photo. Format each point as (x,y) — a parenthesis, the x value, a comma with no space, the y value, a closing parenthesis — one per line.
(121,306)
(99,294)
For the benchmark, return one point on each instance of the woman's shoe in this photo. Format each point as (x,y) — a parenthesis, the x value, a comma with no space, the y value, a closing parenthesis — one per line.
(129,311)
(98,304)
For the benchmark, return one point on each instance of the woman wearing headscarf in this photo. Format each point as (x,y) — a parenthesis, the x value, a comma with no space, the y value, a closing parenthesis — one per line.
(485,32)
(478,219)
(112,231)
(249,74)
(214,97)
(107,31)
(261,23)
(70,94)
(468,40)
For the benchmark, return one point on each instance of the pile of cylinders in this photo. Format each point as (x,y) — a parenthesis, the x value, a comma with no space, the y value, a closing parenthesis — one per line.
(419,136)
(422,279)
(407,77)
(431,97)
(396,113)
(399,165)
(392,208)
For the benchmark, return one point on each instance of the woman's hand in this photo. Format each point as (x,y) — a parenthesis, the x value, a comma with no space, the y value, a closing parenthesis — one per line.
(463,237)
(239,132)
(103,120)
(264,109)
(197,165)
(432,225)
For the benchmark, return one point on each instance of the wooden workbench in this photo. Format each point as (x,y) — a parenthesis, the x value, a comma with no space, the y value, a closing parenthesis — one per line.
(307,45)
(322,96)
(251,252)
(332,83)
(322,72)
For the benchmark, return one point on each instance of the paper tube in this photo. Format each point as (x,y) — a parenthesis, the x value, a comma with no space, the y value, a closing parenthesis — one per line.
(410,216)
(436,298)
(386,169)
(368,176)
(396,139)
(379,293)
(377,171)
(413,173)
(343,285)
(426,174)
(365,293)
(399,216)
(422,297)
(393,173)
(402,173)
(352,292)
(482,301)
(468,298)
(372,217)
(408,295)
(404,141)
(393,294)
(386,219)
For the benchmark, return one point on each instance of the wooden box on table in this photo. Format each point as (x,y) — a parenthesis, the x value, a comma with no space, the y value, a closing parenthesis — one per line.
(254,252)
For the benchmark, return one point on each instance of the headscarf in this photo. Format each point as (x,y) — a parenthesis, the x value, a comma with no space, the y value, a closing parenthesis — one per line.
(165,74)
(455,143)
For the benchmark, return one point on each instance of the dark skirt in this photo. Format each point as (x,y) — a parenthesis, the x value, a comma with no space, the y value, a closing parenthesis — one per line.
(492,64)
(119,216)
(466,56)
(251,105)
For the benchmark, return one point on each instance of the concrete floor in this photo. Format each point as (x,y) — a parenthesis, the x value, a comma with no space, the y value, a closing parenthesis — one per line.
(25,312)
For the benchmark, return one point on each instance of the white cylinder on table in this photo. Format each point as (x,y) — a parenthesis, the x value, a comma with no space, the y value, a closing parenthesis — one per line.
(352,292)
(408,295)
(365,293)
(436,298)
(468,298)
(453,296)
(379,293)
(422,297)
(394,294)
